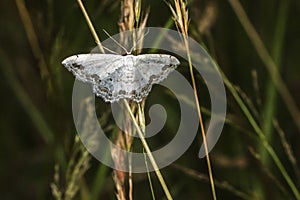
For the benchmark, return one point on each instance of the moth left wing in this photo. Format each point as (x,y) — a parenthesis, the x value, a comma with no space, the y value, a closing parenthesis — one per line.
(92,67)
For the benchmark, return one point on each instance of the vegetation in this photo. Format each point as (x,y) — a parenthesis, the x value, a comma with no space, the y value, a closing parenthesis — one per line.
(254,44)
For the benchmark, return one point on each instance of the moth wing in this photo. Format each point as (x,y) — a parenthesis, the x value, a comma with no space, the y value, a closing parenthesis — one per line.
(92,68)
(154,68)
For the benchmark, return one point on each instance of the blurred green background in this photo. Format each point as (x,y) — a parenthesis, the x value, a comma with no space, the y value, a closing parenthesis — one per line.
(37,130)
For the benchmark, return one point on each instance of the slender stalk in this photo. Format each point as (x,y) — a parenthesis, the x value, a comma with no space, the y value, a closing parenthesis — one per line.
(90,24)
(201,122)
(102,170)
(149,153)
(180,16)
(141,117)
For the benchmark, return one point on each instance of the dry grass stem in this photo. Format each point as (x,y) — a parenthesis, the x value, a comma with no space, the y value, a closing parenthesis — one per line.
(89,22)
(148,151)
(119,161)
(180,16)
(127,15)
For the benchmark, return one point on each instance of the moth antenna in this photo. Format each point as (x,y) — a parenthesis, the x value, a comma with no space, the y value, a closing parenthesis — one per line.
(107,49)
(116,41)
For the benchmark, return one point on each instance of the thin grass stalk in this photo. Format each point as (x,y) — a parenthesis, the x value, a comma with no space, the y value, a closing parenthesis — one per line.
(148,151)
(92,29)
(151,158)
(267,60)
(141,117)
(181,20)
(117,174)
(129,141)
(201,123)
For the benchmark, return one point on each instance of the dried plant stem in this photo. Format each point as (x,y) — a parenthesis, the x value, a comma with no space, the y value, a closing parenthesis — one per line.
(148,151)
(92,29)
(97,41)
(130,180)
(180,16)
(141,117)
(201,121)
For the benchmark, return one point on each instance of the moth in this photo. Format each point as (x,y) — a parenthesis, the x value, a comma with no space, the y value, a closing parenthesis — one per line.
(115,77)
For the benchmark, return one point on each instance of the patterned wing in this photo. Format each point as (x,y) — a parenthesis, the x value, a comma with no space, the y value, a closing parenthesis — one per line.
(92,68)
(155,67)
(152,69)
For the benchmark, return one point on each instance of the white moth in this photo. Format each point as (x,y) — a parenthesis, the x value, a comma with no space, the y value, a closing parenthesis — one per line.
(116,77)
